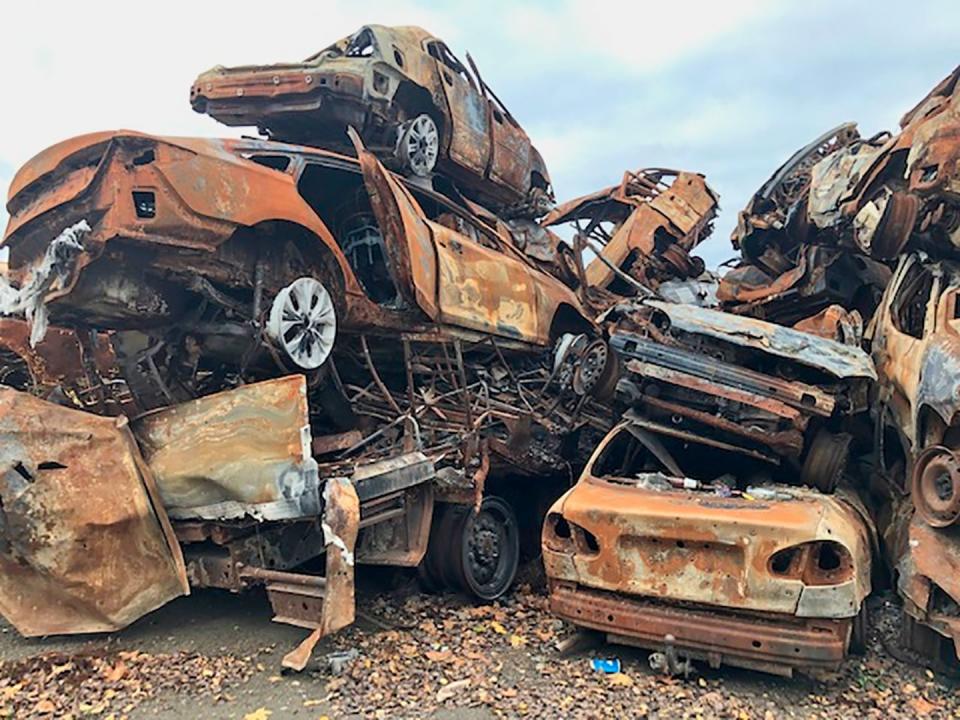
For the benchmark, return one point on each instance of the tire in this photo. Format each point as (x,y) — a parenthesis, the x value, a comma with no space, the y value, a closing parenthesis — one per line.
(489,550)
(826,460)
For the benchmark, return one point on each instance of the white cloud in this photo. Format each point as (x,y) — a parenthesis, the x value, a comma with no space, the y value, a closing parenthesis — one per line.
(644,37)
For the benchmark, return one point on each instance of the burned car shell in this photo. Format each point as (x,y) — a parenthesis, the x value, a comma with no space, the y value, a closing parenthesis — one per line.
(657,218)
(741,581)
(376,80)
(181,208)
(749,386)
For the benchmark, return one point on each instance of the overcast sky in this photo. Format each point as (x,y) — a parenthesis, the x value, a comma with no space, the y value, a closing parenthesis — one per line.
(728,89)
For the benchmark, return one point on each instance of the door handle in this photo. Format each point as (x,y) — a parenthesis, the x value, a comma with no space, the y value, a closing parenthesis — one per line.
(456,246)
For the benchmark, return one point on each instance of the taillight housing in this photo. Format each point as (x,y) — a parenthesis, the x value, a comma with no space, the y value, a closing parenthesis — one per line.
(562,535)
(820,562)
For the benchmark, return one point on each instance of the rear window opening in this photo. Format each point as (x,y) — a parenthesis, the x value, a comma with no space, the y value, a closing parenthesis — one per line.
(145,204)
(362,44)
(274,162)
(625,459)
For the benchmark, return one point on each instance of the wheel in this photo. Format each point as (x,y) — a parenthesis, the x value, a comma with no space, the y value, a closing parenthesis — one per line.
(490,549)
(439,569)
(598,372)
(893,231)
(419,145)
(680,260)
(826,460)
(935,486)
(303,322)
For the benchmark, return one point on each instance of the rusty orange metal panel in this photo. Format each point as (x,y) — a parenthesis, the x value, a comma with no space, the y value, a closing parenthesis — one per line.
(510,164)
(85,545)
(469,120)
(694,547)
(483,289)
(239,452)
(405,232)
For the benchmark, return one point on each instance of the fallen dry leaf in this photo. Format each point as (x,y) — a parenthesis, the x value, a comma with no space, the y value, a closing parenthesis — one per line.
(452,690)
(260,713)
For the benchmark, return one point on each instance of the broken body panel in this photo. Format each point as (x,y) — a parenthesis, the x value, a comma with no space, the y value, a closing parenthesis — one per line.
(85,543)
(758,389)
(641,231)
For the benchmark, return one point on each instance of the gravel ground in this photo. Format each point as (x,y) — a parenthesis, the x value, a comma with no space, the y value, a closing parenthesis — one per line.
(215,655)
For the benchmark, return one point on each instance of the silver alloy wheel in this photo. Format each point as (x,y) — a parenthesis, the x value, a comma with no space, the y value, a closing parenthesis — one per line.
(419,145)
(303,322)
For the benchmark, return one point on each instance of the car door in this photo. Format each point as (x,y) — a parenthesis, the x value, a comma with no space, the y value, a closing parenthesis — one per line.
(406,235)
(483,288)
(469,123)
(511,151)
(907,318)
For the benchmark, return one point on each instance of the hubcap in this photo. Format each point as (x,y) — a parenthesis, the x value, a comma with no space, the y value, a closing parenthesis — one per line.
(303,322)
(420,144)
(484,548)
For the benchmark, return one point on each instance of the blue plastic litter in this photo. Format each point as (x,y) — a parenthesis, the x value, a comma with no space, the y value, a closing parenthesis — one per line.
(603,665)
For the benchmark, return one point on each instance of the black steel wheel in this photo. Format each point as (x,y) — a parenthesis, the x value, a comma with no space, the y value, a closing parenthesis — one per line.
(490,549)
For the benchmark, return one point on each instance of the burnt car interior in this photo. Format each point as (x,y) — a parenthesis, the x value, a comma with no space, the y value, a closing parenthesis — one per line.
(636,451)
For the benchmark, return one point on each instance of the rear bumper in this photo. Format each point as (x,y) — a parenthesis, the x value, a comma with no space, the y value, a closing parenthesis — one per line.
(773,645)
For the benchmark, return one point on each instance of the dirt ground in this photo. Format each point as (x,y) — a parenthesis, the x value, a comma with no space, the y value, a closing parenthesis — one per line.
(216,655)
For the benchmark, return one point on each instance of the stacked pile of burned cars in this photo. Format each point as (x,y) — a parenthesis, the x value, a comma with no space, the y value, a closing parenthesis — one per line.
(364,340)
(854,241)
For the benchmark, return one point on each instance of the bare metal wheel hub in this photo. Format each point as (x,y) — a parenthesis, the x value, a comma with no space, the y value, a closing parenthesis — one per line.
(419,145)
(303,322)
(936,486)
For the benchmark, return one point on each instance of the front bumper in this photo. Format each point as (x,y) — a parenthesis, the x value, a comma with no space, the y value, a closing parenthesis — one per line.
(777,645)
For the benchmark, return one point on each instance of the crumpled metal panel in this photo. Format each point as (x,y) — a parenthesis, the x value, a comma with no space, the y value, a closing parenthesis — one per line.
(928,572)
(839,360)
(85,545)
(240,452)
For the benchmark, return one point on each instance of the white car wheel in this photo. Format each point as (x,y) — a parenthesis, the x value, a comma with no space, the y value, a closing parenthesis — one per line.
(420,145)
(303,322)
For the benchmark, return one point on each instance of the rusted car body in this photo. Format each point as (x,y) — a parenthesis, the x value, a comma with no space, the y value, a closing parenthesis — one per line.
(924,561)
(85,544)
(656,547)
(199,257)
(819,231)
(642,230)
(286,422)
(894,191)
(790,270)
(915,345)
(754,388)
(210,208)
(407,94)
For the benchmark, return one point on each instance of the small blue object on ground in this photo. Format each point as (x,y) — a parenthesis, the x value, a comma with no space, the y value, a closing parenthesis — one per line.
(605,666)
